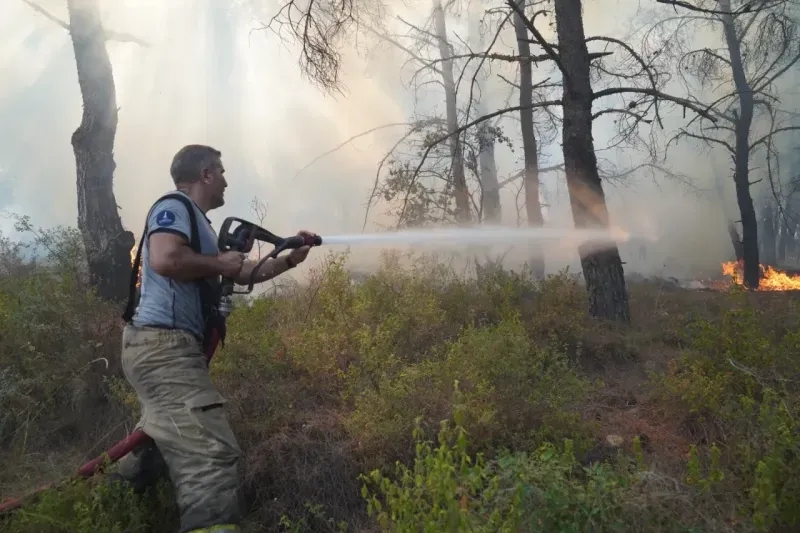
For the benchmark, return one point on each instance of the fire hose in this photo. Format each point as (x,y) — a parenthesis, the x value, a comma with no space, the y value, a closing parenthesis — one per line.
(241,239)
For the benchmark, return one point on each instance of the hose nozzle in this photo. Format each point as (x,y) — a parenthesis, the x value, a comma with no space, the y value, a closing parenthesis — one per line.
(291,243)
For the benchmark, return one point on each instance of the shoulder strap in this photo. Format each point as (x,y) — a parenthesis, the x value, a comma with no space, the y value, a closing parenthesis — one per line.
(194,243)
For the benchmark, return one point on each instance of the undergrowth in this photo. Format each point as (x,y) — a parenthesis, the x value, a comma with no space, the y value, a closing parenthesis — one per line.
(420,399)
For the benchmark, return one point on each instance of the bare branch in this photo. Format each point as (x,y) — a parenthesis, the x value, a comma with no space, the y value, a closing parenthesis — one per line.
(768,137)
(39,9)
(418,29)
(514,59)
(426,62)
(320,27)
(516,175)
(747,8)
(458,131)
(702,111)
(647,69)
(704,138)
(758,87)
(637,116)
(348,141)
(540,39)
(110,35)
(414,129)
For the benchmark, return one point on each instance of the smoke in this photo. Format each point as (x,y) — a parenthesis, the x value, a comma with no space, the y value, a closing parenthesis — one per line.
(209,75)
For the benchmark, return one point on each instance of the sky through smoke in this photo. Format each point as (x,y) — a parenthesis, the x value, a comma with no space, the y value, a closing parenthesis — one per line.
(207,77)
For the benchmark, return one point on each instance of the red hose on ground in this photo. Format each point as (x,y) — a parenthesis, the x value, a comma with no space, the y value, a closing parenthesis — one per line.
(112,455)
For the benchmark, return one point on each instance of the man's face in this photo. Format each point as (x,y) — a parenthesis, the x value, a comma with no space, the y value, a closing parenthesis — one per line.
(214,180)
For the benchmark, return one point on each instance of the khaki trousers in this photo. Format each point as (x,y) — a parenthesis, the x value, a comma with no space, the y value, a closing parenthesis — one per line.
(183,413)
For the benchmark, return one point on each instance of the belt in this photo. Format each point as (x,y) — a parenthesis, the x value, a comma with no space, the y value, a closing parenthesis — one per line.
(162,326)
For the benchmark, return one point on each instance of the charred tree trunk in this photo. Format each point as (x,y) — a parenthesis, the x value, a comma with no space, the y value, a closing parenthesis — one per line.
(463,213)
(741,177)
(605,279)
(533,207)
(107,243)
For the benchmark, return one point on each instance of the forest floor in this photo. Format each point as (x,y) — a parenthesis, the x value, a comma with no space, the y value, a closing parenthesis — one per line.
(686,420)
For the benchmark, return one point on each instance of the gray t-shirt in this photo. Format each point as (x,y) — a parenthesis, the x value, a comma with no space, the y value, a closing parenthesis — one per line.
(165,302)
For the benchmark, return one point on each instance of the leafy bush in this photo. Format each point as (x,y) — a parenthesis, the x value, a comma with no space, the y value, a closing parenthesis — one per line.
(336,386)
(83,507)
(734,380)
(58,345)
(448,489)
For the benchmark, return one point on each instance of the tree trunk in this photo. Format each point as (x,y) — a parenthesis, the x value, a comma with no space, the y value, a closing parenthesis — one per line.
(741,177)
(491,210)
(533,206)
(107,243)
(605,279)
(736,241)
(769,234)
(733,233)
(463,213)
(786,241)
(490,200)
(791,242)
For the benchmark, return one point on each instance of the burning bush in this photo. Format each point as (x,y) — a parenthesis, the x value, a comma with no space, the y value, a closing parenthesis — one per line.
(771,278)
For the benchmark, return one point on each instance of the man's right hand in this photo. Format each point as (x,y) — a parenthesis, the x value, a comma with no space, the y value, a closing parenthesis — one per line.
(230,263)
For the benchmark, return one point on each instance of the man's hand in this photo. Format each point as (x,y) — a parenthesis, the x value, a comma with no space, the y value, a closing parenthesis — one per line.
(230,264)
(298,255)
(275,267)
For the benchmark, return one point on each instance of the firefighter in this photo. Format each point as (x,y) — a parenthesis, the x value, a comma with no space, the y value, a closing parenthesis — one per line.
(163,347)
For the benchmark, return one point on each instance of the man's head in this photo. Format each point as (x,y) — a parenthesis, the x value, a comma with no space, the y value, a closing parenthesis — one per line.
(197,170)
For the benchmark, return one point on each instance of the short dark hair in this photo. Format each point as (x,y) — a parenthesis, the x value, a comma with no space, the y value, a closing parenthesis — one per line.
(190,161)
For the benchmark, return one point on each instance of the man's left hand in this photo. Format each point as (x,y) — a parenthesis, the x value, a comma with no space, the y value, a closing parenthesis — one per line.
(298,255)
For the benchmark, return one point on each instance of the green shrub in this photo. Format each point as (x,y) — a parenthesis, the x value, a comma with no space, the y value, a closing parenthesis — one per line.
(84,507)
(337,378)
(734,381)
(59,342)
(449,489)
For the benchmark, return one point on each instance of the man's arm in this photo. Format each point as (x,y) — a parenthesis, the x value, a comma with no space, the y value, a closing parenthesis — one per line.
(270,269)
(171,257)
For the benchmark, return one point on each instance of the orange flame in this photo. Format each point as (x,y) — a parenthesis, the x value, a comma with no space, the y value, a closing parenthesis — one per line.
(133,259)
(771,279)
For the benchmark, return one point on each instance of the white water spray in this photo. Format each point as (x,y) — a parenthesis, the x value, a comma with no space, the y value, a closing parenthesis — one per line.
(481,236)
